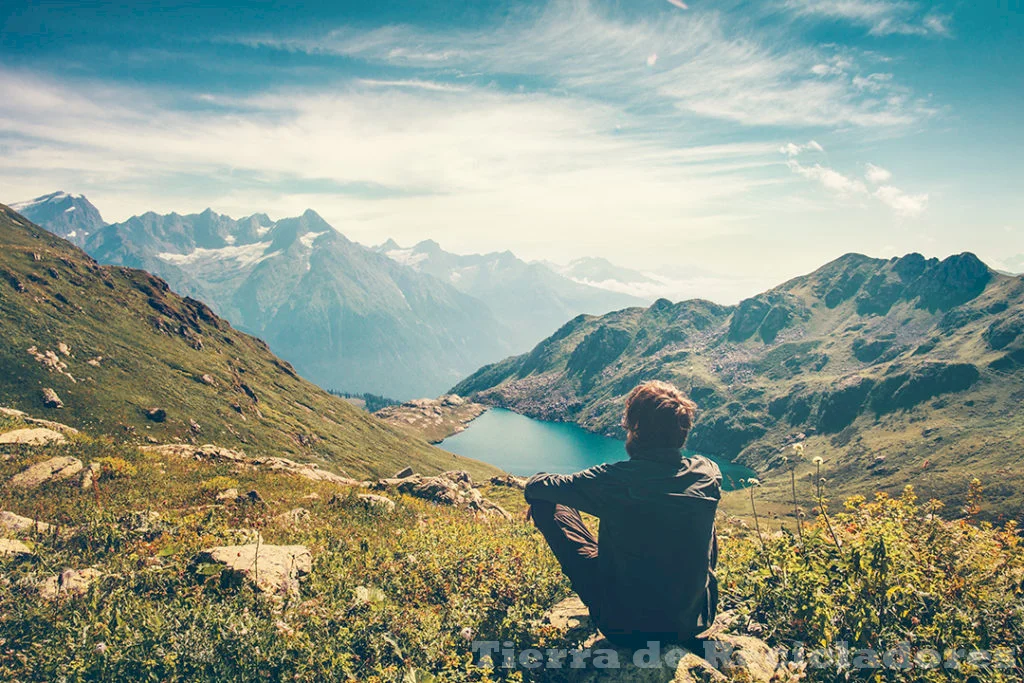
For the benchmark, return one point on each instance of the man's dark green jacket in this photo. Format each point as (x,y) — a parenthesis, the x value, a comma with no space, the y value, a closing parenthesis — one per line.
(657,548)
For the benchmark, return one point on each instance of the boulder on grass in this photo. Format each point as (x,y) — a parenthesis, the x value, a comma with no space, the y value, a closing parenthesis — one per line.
(69,582)
(294,517)
(509,480)
(51,399)
(10,547)
(725,657)
(54,469)
(11,522)
(38,436)
(373,501)
(272,569)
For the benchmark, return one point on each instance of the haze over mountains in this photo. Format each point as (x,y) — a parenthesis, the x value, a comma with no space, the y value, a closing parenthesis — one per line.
(390,321)
(530,299)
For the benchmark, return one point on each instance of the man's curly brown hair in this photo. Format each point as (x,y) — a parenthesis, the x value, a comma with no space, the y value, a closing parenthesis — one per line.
(657,415)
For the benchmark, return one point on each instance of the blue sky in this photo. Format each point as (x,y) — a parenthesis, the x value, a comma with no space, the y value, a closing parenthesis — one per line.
(753,139)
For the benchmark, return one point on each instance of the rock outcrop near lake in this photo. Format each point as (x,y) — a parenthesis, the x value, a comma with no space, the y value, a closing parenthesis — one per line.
(432,420)
(912,358)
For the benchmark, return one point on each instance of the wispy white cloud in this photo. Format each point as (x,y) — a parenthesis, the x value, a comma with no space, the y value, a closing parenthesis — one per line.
(877,175)
(880,17)
(792,149)
(902,203)
(413,83)
(829,178)
(699,63)
(447,162)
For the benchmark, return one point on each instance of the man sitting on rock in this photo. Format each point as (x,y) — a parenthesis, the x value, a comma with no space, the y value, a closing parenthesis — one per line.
(651,575)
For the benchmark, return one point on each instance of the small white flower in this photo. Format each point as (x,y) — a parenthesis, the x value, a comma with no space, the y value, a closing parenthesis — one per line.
(101,647)
(818,460)
(466,633)
(753,481)
(798,448)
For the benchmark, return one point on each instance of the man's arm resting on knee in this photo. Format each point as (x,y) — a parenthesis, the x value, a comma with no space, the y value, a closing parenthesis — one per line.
(586,491)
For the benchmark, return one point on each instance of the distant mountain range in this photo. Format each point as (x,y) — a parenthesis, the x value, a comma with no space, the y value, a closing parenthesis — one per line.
(531,300)
(896,371)
(399,322)
(347,317)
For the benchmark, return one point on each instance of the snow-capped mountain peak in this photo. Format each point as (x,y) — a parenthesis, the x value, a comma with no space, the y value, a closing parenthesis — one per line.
(70,216)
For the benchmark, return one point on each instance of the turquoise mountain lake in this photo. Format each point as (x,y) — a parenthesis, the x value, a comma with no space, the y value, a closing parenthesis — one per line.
(524,446)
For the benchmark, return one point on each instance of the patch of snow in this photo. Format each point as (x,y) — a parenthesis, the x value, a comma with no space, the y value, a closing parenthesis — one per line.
(310,237)
(70,209)
(455,276)
(55,197)
(230,239)
(242,256)
(407,257)
(73,233)
(262,230)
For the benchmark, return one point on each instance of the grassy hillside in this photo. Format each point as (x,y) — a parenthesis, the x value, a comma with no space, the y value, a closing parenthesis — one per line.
(132,346)
(398,594)
(894,371)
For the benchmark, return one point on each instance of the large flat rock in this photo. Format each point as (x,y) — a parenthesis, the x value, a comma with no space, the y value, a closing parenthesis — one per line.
(273,569)
(69,582)
(54,469)
(11,547)
(12,522)
(725,657)
(32,436)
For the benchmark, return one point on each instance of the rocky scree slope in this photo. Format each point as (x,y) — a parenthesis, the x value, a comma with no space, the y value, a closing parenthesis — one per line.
(115,350)
(896,370)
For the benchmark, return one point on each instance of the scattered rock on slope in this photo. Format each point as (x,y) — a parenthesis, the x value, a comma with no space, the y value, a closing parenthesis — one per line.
(24,417)
(12,522)
(213,453)
(54,469)
(39,436)
(67,583)
(374,501)
(51,399)
(510,480)
(273,569)
(449,488)
(11,547)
